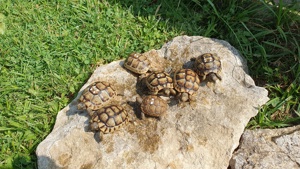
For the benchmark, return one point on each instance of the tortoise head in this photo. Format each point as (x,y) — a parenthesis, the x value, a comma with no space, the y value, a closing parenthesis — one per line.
(94,126)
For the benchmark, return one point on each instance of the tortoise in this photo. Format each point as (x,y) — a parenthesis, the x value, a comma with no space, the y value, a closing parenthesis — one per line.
(108,119)
(137,63)
(96,95)
(208,65)
(186,83)
(158,81)
(152,105)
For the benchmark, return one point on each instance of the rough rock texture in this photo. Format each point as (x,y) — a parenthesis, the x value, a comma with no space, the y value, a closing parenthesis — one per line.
(265,148)
(204,137)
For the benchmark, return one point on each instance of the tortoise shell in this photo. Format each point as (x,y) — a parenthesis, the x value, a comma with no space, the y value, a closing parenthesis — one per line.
(208,64)
(186,81)
(137,63)
(96,95)
(158,81)
(154,106)
(108,119)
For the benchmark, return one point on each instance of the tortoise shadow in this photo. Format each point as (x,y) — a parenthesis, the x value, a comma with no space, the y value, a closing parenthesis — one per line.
(73,111)
(188,65)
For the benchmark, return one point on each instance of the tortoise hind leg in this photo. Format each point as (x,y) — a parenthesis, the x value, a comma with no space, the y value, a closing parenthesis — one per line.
(193,103)
(143,115)
(214,77)
(183,98)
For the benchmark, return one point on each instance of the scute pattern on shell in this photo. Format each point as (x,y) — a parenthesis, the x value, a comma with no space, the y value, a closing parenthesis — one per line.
(108,119)
(186,81)
(137,63)
(158,81)
(154,106)
(208,64)
(95,95)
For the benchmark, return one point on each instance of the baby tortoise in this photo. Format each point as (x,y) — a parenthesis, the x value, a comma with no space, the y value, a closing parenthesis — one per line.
(160,81)
(108,119)
(208,65)
(152,105)
(96,95)
(137,63)
(186,83)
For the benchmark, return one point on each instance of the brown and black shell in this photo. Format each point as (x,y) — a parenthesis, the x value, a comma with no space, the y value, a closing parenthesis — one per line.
(154,106)
(186,81)
(158,81)
(96,95)
(208,65)
(108,119)
(137,63)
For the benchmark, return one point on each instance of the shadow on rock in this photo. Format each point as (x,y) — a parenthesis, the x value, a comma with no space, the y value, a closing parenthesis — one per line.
(47,163)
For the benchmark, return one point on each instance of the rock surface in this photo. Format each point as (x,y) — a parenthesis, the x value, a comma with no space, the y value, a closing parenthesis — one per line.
(204,137)
(265,148)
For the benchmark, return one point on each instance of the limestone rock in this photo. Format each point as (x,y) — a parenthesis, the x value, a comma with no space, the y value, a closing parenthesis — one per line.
(204,137)
(265,148)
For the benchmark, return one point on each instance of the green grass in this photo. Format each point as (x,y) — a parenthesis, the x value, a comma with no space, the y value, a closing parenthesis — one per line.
(49,49)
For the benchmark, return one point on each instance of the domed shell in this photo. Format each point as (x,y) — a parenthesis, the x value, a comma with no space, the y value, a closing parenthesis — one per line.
(137,63)
(186,81)
(96,95)
(158,81)
(154,106)
(108,119)
(208,64)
